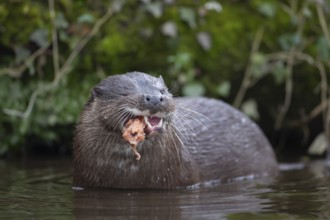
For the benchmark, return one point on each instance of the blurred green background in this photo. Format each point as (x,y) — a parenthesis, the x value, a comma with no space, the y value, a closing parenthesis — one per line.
(270,58)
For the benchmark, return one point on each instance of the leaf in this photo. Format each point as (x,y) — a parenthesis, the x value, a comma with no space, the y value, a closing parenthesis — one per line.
(169,29)
(146,32)
(323,48)
(204,40)
(117,5)
(21,54)
(284,42)
(288,40)
(40,37)
(111,45)
(250,108)
(307,12)
(280,72)
(180,61)
(213,5)
(258,58)
(193,89)
(267,9)
(52,119)
(188,15)
(63,36)
(61,22)
(296,39)
(32,69)
(156,9)
(258,64)
(184,59)
(224,88)
(85,18)
(319,145)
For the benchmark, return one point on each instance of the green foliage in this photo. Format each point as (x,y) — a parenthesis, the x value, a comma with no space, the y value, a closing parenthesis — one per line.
(224,88)
(206,47)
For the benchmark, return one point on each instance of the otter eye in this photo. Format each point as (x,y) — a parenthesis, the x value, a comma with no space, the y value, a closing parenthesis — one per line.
(123,93)
(162,91)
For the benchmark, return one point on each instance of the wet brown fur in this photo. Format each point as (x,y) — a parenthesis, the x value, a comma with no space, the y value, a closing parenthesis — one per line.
(202,139)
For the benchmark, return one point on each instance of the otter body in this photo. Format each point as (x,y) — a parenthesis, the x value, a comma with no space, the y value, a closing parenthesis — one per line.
(188,140)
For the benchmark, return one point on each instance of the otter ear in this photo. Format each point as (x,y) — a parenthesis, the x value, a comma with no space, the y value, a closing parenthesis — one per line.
(161,79)
(97,91)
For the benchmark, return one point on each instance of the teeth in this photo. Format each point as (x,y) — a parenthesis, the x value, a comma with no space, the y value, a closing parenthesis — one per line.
(146,121)
(160,123)
(151,126)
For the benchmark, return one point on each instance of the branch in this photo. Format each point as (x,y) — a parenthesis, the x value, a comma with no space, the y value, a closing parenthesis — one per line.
(54,36)
(290,62)
(248,72)
(288,91)
(313,114)
(323,23)
(28,111)
(81,44)
(326,112)
(63,70)
(18,71)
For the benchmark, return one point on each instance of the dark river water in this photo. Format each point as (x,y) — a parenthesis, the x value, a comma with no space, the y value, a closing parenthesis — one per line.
(41,189)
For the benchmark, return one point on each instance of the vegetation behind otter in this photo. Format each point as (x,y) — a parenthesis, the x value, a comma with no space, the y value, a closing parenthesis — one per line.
(268,58)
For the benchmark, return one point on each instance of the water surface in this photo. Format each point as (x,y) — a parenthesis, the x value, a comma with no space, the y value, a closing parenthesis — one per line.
(41,189)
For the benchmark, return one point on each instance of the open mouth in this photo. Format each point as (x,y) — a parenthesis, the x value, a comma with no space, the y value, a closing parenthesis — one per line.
(136,129)
(153,124)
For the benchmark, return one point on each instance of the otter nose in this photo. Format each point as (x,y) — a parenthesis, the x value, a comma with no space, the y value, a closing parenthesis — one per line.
(153,99)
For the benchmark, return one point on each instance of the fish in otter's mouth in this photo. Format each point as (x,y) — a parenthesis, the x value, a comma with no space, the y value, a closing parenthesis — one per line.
(136,129)
(154,123)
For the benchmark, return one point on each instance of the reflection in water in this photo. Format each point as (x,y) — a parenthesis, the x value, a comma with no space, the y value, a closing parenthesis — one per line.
(210,203)
(35,189)
(42,189)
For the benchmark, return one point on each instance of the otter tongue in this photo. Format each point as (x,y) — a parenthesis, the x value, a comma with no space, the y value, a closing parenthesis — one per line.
(154,121)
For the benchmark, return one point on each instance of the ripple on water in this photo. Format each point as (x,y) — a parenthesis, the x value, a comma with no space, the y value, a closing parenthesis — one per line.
(42,190)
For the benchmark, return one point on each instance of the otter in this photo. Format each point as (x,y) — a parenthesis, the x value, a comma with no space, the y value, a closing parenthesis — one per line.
(188,140)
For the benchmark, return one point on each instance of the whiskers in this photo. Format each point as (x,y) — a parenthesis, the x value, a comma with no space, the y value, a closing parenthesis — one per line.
(116,114)
(189,123)
(198,117)
(181,128)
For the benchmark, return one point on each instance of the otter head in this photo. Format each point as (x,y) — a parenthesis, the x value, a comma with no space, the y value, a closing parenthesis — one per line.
(119,98)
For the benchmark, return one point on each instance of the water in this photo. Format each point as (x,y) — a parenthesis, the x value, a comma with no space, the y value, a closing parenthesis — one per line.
(41,189)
